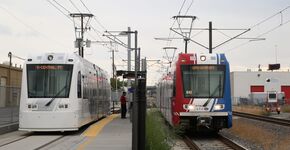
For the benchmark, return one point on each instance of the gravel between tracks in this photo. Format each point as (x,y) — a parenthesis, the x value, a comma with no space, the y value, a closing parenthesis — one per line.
(258,135)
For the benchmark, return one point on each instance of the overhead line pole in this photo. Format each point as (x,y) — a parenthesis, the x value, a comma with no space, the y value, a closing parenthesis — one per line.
(135,103)
(80,39)
(232,38)
(189,39)
(210,37)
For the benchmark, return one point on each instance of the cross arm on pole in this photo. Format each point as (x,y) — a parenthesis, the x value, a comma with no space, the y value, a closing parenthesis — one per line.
(186,38)
(232,38)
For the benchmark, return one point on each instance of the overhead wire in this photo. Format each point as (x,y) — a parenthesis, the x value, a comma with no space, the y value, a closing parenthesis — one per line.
(62,6)
(95,18)
(30,27)
(179,24)
(99,34)
(168,44)
(266,32)
(100,24)
(75,6)
(59,8)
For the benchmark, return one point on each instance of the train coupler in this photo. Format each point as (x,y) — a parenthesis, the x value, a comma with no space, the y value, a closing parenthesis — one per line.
(204,121)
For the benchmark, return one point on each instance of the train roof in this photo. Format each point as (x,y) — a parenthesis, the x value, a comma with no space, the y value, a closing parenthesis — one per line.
(201,58)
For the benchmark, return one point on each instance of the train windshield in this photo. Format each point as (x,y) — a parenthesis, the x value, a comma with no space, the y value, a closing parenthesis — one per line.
(203,81)
(48,80)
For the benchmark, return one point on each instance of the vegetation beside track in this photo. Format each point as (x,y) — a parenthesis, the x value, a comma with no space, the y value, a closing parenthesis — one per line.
(286,108)
(256,110)
(158,134)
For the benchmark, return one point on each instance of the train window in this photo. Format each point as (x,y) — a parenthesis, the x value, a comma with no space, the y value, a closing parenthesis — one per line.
(203,81)
(174,84)
(79,85)
(48,80)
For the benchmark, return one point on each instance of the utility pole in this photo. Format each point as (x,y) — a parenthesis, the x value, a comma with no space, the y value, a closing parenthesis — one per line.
(186,35)
(170,59)
(10,64)
(135,136)
(79,31)
(129,49)
(129,69)
(276,53)
(210,37)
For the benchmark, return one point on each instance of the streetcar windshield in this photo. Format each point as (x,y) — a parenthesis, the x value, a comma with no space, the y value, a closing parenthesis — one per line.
(48,80)
(203,81)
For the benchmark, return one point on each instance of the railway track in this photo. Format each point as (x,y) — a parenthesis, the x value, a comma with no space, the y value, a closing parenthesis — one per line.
(263,118)
(211,143)
(30,141)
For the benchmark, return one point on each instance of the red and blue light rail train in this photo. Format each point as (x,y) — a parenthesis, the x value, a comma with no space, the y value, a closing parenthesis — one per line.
(195,94)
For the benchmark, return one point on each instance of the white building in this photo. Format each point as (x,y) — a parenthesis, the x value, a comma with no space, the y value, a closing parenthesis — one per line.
(249,82)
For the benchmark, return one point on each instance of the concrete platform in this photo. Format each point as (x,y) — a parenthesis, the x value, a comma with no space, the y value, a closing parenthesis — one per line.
(111,133)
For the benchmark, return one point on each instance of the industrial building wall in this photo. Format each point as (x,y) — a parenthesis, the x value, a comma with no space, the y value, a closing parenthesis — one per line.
(10,83)
(15,75)
(243,82)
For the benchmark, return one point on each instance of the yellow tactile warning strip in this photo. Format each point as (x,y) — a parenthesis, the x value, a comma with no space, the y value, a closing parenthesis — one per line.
(95,129)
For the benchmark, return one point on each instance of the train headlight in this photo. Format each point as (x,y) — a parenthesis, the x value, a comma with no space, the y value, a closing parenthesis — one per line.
(202,57)
(219,106)
(189,107)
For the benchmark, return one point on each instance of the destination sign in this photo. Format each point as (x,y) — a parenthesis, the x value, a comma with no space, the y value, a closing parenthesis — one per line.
(49,67)
(203,67)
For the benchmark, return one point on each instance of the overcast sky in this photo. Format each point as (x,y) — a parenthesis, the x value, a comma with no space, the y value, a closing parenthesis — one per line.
(36,26)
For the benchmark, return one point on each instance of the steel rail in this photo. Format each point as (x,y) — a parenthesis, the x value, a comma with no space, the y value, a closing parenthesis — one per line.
(190,143)
(263,118)
(17,139)
(230,143)
(13,141)
(50,142)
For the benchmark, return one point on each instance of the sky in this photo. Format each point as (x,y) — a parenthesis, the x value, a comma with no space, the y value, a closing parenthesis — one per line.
(36,26)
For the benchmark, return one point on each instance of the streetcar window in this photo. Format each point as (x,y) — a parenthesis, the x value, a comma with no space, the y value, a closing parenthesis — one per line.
(79,85)
(48,80)
(203,81)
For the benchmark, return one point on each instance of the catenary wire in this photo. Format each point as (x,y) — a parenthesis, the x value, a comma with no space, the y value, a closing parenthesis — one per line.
(30,27)
(75,6)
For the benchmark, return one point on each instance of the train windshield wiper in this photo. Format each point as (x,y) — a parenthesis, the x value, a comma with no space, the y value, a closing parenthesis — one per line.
(208,100)
(56,95)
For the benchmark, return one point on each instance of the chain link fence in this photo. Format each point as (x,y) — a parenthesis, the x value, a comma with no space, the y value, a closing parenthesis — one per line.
(9,104)
(257,100)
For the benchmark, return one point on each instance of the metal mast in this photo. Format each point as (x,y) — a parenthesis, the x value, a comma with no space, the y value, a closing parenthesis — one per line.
(79,31)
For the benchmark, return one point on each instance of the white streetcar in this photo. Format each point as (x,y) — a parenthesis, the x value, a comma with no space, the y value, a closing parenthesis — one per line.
(62,92)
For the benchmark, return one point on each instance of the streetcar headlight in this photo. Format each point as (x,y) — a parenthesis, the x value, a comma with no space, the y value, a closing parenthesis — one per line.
(61,106)
(219,106)
(32,106)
